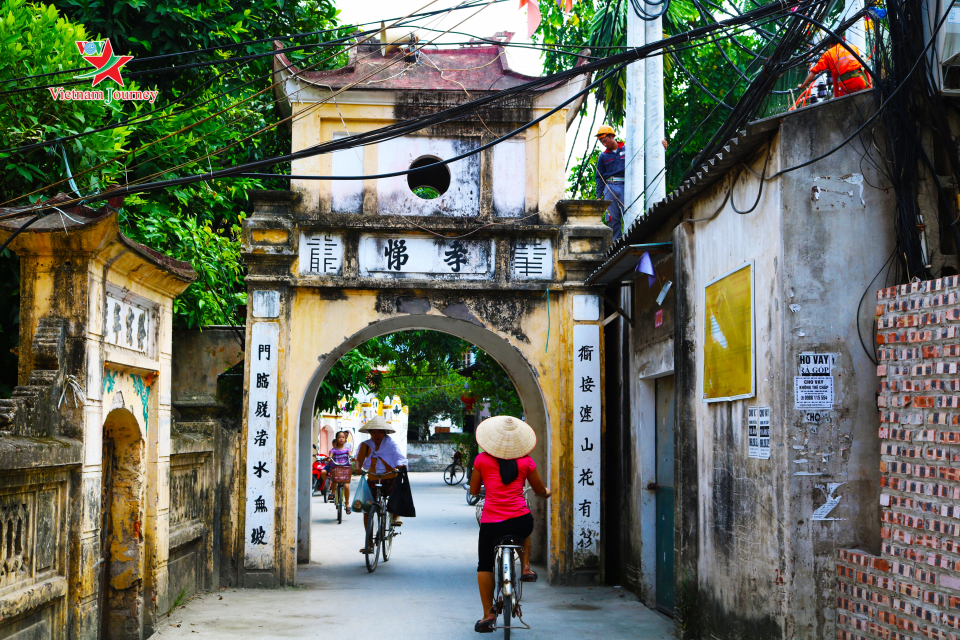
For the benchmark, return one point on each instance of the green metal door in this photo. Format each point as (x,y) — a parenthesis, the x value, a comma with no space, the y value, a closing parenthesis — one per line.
(664,418)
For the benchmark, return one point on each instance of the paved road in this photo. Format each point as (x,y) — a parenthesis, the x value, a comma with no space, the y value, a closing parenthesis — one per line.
(427,591)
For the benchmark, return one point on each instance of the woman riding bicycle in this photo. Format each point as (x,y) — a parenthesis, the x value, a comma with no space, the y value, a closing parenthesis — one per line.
(381,457)
(339,457)
(503,469)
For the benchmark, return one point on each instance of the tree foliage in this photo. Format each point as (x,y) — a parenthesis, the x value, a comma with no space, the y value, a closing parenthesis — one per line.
(212,110)
(429,370)
(691,114)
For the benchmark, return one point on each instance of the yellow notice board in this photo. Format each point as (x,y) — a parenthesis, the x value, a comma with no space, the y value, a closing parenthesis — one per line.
(728,349)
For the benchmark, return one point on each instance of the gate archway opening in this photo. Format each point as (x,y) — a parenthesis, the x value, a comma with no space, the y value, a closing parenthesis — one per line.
(520,372)
(122,545)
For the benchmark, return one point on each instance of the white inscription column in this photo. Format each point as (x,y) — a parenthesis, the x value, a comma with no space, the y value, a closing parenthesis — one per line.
(262,446)
(586,444)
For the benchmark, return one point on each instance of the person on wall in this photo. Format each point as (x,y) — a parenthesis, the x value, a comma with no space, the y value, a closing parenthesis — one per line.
(610,172)
(503,469)
(847,72)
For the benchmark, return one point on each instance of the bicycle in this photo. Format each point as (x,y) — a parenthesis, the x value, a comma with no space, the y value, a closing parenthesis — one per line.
(380,529)
(339,475)
(509,589)
(454,473)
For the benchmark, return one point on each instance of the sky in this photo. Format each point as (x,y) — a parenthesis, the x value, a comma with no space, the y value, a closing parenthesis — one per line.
(480,22)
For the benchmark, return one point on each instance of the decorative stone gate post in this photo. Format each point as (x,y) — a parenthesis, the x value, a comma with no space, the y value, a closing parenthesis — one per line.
(85,439)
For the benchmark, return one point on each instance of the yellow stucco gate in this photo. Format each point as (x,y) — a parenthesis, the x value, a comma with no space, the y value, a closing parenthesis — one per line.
(482,248)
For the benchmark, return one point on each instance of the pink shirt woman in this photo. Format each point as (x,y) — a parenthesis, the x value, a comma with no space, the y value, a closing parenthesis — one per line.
(503,502)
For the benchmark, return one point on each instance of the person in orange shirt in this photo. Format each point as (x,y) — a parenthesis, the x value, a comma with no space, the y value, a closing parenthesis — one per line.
(848,74)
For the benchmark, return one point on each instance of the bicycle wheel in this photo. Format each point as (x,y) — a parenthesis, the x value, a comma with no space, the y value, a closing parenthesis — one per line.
(479,511)
(339,501)
(387,538)
(372,554)
(472,499)
(453,474)
(507,613)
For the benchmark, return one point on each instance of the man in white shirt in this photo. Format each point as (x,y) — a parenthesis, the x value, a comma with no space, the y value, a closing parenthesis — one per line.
(381,458)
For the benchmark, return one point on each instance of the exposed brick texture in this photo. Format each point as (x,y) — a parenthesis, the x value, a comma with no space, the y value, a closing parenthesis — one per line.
(912,591)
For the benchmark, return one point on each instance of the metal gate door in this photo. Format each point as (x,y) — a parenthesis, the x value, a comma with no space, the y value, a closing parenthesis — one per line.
(664,417)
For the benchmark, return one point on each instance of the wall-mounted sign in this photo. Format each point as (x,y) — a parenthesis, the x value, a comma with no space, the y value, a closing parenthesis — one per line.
(586,447)
(321,254)
(813,392)
(404,256)
(127,325)
(728,340)
(532,259)
(758,432)
(816,364)
(261,446)
(658,318)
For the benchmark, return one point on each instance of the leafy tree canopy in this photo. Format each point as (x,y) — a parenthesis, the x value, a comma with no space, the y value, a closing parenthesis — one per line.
(429,370)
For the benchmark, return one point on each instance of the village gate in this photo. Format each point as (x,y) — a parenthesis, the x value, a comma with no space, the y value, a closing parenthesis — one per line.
(482,248)
(320,288)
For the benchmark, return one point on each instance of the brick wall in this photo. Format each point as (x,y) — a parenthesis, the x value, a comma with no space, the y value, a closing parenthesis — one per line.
(913,589)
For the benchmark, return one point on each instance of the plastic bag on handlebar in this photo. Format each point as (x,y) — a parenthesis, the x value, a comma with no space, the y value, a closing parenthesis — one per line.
(363,497)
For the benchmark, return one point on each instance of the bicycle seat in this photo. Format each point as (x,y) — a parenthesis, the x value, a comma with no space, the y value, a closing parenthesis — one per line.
(508,540)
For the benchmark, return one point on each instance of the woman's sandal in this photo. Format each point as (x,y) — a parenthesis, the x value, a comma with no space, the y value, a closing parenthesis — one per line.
(529,577)
(348,510)
(487,625)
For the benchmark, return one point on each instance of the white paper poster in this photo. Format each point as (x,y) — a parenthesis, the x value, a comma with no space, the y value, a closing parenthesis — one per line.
(813,392)
(816,364)
(753,436)
(763,425)
(261,446)
(586,449)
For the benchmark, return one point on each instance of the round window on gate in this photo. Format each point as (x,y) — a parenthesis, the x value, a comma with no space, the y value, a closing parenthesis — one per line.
(428,183)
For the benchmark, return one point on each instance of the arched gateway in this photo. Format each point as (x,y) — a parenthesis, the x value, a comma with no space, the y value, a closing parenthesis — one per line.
(484,250)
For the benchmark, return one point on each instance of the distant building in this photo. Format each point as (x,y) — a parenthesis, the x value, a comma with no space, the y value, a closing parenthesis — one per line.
(391,409)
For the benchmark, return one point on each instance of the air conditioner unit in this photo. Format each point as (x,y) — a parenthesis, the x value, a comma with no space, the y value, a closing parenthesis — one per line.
(944,55)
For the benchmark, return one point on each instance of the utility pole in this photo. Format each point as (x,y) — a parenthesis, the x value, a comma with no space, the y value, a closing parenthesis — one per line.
(655,182)
(634,120)
(857,34)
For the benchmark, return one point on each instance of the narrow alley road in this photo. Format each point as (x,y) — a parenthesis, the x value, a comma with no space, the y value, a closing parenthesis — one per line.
(426,591)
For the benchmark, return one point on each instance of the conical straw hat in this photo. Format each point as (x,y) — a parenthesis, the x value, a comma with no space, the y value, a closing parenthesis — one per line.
(376,423)
(506,437)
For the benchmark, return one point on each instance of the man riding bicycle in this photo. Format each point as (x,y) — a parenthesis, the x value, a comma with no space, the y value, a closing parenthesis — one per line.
(339,457)
(381,458)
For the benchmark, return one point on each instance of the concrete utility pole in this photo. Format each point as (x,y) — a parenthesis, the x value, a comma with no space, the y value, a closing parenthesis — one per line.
(655,183)
(633,120)
(857,34)
(643,125)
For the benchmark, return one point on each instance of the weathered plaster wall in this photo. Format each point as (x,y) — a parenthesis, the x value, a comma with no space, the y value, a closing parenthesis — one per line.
(200,356)
(429,456)
(751,561)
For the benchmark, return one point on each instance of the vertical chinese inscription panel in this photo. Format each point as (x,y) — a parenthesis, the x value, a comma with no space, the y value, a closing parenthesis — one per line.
(586,438)
(261,446)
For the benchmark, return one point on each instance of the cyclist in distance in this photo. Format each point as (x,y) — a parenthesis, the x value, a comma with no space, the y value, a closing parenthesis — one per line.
(503,468)
(381,458)
(339,457)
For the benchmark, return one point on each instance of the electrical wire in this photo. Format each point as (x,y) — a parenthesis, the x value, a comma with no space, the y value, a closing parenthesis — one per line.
(417,123)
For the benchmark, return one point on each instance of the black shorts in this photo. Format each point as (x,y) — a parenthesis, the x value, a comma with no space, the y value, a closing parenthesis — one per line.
(490,532)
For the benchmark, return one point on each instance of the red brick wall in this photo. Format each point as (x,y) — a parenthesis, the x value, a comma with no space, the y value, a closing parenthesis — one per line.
(913,589)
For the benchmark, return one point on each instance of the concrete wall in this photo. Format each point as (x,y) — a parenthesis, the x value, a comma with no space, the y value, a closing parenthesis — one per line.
(750,560)
(429,456)
(764,567)
(201,356)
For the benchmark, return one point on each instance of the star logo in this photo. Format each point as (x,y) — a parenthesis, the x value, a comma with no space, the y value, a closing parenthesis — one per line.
(106,63)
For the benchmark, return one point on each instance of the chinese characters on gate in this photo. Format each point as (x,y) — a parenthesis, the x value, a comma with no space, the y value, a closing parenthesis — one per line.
(261,446)
(586,437)
(408,256)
